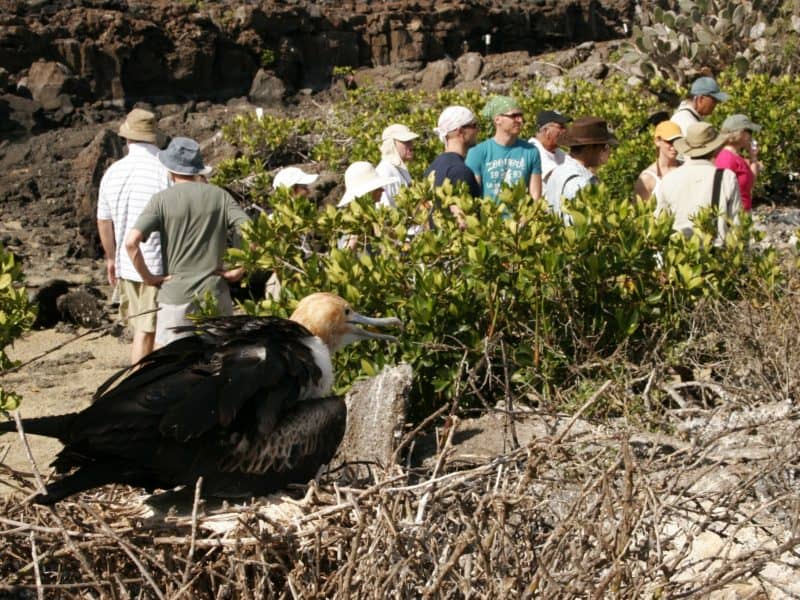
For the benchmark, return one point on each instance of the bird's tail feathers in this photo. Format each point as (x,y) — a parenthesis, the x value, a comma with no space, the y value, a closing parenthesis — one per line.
(54,426)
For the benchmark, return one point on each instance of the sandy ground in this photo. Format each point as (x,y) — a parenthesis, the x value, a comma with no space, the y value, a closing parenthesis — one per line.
(60,382)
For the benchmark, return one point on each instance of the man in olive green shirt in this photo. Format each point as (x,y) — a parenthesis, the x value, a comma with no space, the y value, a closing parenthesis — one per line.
(192,218)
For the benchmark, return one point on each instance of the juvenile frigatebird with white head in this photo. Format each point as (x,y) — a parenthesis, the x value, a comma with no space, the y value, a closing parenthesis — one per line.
(242,404)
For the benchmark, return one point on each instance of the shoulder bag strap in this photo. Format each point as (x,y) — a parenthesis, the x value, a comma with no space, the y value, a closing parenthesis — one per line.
(716,194)
(566,181)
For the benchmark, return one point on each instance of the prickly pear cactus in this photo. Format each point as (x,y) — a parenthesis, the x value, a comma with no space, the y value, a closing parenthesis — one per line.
(710,35)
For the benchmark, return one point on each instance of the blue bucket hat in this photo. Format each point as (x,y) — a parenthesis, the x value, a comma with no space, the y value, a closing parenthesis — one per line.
(183,157)
(707,86)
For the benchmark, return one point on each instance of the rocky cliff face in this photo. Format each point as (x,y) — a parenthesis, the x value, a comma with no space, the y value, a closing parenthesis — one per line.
(65,52)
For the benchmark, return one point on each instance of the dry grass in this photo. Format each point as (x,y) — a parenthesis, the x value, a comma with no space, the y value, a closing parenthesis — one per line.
(708,502)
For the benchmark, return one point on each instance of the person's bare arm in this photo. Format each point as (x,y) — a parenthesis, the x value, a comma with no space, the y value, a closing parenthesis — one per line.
(132,241)
(106,229)
(231,275)
(535,186)
(643,186)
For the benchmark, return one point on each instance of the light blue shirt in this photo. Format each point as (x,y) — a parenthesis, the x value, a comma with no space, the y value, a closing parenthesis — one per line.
(565,181)
(496,164)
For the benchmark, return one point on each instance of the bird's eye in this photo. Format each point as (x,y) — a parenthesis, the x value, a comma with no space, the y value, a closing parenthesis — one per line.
(347,311)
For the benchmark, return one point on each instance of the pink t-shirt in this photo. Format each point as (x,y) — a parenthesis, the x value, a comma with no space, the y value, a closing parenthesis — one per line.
(731,160)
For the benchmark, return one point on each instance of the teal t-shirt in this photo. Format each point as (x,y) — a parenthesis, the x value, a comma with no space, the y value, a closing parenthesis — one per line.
(496,164)
(193,220)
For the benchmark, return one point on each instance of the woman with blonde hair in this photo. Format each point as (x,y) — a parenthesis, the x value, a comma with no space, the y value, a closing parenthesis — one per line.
(665,135)
(740,155)
(397,149)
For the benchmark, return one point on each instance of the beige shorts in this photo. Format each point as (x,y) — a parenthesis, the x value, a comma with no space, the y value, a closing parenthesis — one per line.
(177,315)
(134,298)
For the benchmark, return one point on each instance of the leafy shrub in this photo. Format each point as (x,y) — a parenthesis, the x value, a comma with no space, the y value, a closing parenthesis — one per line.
(516,287)
(553,295)
(350,130)
(16,316)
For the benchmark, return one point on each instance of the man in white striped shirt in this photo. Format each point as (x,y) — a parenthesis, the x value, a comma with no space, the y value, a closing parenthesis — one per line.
(125,190)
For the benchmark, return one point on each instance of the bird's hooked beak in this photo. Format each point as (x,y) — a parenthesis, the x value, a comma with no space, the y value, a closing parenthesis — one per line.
(357,333)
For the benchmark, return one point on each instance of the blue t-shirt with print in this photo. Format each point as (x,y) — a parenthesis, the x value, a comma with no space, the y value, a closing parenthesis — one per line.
(496,164)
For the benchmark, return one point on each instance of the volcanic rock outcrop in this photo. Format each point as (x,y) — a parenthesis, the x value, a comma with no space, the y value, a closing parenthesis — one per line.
(66,52)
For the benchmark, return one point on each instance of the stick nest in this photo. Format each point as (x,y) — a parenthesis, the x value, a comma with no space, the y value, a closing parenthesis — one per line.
(705,504)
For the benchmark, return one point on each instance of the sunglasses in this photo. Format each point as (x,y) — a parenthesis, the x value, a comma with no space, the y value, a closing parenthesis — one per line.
(514,116)
(472,125)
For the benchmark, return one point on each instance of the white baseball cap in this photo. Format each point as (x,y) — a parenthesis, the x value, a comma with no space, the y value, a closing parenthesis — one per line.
(289,177)
(398,132)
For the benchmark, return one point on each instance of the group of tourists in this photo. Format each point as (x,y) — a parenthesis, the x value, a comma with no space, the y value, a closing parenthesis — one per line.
(164,228)
(695,165)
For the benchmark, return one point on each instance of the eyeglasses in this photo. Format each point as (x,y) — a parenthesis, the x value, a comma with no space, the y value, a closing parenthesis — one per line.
(514,116)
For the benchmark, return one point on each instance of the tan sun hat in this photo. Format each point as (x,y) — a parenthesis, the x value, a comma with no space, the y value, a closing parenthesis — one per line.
(701,139)
(140,126)
(361,178)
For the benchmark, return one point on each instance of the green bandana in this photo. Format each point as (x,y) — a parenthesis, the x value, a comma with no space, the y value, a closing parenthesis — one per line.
(498,105)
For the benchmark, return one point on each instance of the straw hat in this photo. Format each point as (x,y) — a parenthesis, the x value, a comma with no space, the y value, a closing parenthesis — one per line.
(361,178)
(183,157)
(140,126)
(701,139)
(292,176)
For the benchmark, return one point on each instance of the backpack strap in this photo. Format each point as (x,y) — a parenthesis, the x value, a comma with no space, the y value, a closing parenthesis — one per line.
(716,194)
(566,181)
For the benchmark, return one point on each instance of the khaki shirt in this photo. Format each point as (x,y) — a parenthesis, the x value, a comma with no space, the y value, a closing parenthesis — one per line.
(689,188)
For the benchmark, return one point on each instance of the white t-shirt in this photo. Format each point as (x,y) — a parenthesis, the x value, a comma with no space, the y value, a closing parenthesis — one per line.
(685,115)
(565,182)
(403,177)
(550,160)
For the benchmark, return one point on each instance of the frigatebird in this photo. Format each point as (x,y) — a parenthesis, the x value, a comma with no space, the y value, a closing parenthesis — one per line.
(244,404)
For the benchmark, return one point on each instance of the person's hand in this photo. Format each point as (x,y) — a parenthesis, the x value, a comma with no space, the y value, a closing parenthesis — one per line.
(156,280)
(461,218)
(231,275)
(753,151)
(111,272)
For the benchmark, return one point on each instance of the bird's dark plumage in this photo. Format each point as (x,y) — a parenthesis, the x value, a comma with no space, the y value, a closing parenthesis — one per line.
(228,404)
(242,404)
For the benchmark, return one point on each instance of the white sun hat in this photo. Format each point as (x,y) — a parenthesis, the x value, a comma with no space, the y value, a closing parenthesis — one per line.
(361,178)
(292,176)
